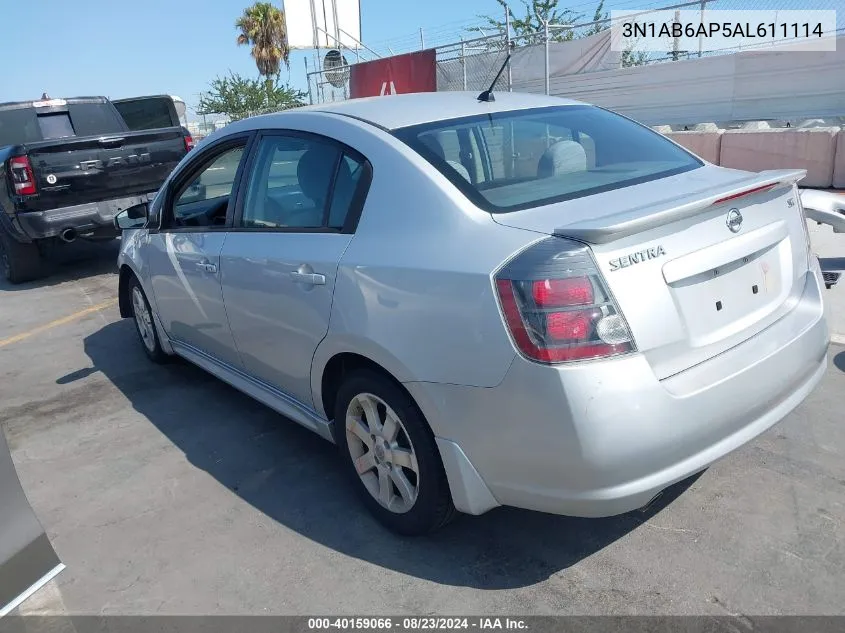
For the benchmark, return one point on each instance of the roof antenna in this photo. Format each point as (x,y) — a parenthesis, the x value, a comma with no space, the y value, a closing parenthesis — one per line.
(487,95)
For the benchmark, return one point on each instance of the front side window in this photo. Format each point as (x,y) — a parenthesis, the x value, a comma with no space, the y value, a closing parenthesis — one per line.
(508,161)
(203,201)
(300,183)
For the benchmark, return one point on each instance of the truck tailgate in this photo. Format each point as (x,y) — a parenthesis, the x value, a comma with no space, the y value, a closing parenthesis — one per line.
(91,169)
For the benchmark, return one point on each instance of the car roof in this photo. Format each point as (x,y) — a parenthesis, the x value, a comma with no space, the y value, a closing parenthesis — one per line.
(403,110)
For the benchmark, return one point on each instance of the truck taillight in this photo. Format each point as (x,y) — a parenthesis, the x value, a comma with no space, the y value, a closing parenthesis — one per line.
(22,176)
(189,143)
(557,307)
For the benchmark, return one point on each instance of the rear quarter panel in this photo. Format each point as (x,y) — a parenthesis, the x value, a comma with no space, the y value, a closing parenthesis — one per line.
(414,290)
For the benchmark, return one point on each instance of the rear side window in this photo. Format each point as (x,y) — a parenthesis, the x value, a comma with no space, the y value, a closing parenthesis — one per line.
(147,114)
(301,183)
(508,161)
(18,126)
(30,125)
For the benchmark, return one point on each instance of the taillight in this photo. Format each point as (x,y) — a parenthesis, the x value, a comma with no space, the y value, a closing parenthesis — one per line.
(189,143)
(747,192)
(22,177)
(557,306)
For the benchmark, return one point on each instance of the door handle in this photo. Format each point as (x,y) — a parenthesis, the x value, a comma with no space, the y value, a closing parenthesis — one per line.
(315,279)
(207,267)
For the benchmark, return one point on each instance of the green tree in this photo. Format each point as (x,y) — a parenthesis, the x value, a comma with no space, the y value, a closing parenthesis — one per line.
(599,24)
(530,28)
(262,27)
(239,97)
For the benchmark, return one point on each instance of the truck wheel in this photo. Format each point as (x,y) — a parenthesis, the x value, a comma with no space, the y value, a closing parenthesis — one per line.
(19,262)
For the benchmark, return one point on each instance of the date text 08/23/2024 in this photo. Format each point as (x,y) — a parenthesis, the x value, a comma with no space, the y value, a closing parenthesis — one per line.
(416,623)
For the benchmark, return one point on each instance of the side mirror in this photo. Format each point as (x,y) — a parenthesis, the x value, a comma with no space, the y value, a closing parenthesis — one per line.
(132,218)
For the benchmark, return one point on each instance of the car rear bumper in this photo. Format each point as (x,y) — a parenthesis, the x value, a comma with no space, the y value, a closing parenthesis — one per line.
(93,217)
(602,438)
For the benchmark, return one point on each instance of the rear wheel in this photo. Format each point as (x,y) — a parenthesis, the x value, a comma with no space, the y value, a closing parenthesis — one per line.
(144,324)
(391,456)
(19,262)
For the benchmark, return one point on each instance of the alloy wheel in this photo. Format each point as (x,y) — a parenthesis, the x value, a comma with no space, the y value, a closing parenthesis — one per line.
(143,319)
(382,452)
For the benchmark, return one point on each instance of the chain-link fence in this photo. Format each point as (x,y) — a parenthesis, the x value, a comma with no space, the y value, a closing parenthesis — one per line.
(539,56)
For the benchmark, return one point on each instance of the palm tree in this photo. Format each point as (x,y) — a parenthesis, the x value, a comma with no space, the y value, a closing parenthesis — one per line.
(262,26)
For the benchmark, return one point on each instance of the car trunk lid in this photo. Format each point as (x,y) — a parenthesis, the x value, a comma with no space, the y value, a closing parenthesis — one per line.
(694,273)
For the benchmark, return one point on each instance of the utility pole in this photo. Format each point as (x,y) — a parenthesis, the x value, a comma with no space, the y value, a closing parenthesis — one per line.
(422,40)
(701,37)
(676,42)
(546,41)
(508,45)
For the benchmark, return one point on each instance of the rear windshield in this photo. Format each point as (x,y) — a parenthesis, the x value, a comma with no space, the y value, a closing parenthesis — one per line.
(508,161)
(19,125)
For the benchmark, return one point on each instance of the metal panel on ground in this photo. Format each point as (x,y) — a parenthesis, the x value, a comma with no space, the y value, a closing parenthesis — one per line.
(27,560)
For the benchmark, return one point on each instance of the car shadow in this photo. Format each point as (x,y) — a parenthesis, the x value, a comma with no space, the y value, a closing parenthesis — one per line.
(68,262)
(294,477)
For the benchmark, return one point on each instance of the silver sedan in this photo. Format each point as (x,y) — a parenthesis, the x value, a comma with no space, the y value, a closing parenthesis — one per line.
(529,302)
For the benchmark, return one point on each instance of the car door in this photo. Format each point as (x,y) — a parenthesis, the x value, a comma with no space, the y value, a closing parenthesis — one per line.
(27,560)
(184,253)
(301,198)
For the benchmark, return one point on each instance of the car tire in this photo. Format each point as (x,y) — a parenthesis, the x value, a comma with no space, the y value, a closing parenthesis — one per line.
(142,316)
(402,481)
(19,262)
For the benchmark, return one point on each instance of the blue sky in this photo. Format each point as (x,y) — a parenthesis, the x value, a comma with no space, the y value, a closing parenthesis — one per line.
(123,48)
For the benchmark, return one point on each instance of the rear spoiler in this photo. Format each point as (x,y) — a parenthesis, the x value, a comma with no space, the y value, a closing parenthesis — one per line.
(824,207)
(638,219)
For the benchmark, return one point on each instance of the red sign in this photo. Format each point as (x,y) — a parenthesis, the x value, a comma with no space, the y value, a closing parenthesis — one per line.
(412,72)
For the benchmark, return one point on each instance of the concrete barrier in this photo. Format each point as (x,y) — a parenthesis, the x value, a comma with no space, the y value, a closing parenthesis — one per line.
(839,161)
(757,150)
(706,145)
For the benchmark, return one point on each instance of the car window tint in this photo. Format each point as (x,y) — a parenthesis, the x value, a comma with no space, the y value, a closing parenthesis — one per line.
(543,155)
(18,125)
(494,138)
(146,114)
(349,174)
(290,183)
(90,119)
(55,125)
(204,200)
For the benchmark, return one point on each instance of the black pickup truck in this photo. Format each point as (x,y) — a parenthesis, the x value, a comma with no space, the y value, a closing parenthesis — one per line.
(67,166)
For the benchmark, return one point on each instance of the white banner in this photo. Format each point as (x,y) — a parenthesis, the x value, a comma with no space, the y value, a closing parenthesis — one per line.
(679,31)
(323,23)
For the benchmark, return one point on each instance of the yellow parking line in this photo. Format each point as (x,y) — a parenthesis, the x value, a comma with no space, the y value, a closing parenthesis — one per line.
(17,338)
